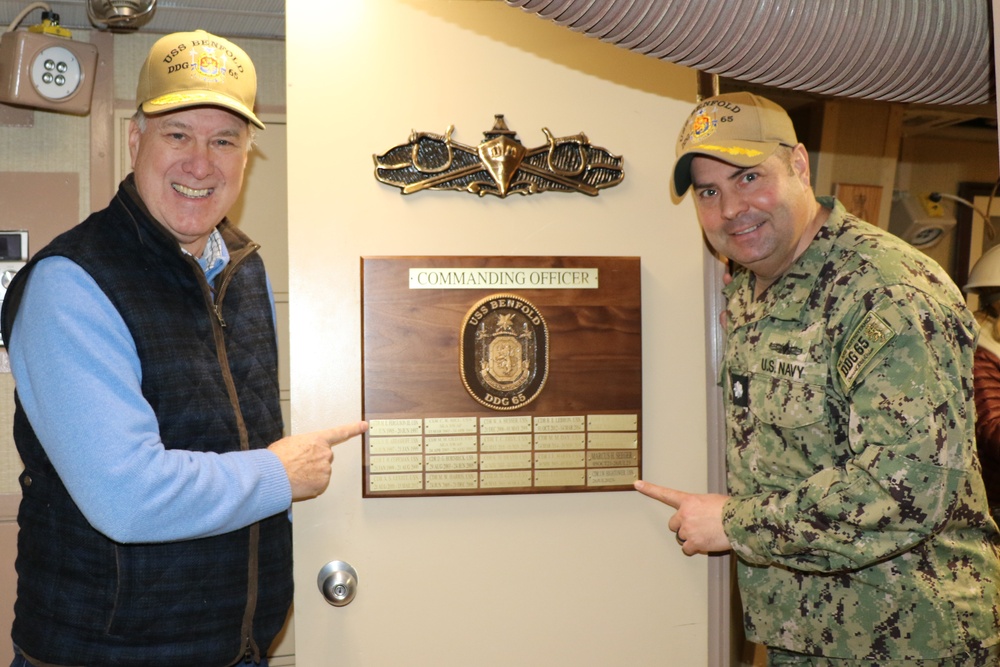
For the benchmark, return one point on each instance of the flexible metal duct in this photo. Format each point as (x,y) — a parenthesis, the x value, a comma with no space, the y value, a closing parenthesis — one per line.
(922,51)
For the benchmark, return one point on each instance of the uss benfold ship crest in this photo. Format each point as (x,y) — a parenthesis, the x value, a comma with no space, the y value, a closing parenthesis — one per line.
(504,356)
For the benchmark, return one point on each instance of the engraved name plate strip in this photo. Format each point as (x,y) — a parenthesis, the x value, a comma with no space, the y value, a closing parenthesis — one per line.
(594,460)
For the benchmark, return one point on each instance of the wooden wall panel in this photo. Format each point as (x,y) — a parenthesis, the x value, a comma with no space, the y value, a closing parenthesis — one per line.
(44,203)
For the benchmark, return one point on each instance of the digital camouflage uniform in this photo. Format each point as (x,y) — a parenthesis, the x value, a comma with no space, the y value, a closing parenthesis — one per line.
(858,512)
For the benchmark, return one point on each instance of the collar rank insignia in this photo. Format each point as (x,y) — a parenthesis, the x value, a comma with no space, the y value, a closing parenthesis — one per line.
(740,387)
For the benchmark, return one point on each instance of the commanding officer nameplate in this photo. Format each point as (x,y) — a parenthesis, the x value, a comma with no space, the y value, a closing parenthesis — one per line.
(501,375)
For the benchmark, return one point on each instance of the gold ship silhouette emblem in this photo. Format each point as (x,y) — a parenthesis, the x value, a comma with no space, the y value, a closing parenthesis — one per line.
(502,157)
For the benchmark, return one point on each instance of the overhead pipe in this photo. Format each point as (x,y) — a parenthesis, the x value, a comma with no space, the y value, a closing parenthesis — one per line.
(917,51)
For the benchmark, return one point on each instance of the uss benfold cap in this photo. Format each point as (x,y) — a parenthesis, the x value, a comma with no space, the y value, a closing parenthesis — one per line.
(742,129)
(188,69)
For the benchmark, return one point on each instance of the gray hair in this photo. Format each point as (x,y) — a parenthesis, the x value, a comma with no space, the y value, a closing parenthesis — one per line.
(140,119)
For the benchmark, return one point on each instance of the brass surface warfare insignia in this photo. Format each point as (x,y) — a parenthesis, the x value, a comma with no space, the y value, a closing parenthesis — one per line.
(867,338)
(500,165)
(504,355)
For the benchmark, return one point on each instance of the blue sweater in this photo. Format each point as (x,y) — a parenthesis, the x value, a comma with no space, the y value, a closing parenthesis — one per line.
(78,379)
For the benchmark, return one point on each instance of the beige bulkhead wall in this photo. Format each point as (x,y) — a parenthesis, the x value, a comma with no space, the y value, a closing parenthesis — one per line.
(560,579)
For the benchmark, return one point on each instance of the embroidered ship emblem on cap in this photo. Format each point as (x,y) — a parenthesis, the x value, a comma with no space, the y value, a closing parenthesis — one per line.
(209,66)
(702,126)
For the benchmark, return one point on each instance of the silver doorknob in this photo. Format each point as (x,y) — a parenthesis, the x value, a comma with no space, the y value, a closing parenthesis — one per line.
(6,277)
(338,582)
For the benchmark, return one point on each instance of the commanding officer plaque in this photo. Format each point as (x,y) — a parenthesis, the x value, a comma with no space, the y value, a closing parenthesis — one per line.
(490,375)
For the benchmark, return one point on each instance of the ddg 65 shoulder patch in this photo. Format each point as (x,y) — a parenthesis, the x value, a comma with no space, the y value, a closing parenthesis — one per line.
(865,341)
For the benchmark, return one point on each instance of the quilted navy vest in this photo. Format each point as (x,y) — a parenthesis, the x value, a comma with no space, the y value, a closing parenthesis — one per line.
(83,599)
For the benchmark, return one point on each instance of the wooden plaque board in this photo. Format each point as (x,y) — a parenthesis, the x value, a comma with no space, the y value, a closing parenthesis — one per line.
(429,433)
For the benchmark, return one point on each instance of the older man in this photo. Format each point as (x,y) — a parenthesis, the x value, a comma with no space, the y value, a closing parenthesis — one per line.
(154,523)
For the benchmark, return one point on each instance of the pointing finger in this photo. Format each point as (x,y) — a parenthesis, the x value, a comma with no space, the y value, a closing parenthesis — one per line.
(343,433)
(671,497)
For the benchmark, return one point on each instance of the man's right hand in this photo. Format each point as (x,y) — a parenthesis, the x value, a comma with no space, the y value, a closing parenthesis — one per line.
(307,457)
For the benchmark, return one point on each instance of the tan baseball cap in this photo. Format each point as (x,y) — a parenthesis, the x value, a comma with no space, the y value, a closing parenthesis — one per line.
(188,69)
(742,129)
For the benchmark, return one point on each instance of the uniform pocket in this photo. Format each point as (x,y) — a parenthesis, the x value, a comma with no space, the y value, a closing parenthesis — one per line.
(784,403)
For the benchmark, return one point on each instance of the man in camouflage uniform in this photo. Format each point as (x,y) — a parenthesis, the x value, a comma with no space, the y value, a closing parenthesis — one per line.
(857,510)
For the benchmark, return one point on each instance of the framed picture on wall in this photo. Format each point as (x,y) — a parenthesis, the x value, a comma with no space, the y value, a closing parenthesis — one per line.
(860,200)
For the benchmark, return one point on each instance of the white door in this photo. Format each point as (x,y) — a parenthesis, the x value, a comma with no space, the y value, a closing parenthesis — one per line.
(560,579)
(262,212)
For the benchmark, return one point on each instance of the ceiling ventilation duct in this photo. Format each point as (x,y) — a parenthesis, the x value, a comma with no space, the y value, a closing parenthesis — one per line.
(120,15)
(920,51)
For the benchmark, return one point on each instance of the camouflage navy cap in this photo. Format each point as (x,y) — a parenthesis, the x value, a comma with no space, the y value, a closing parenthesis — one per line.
(742,129)
(189,69)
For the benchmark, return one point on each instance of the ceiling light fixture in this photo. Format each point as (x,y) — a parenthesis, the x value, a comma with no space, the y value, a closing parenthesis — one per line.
(44,68)
(120,15)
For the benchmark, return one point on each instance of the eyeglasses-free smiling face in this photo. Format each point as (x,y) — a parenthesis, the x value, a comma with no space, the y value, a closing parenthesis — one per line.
(188,167)
(762,217)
